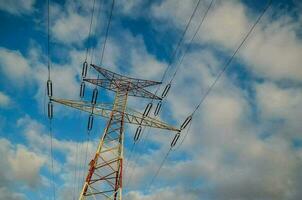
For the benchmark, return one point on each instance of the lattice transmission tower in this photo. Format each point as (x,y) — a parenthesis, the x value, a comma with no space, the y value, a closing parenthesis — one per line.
(105,175)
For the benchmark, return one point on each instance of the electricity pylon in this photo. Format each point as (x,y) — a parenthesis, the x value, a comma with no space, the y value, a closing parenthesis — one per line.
(105,174)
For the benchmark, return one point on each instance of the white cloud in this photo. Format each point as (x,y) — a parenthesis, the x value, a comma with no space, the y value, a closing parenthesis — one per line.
(224,153)
(274,49)
(17,7)
(26,165)
(283,105)
(6,194)
(133,54)
(225,24)
(144,64)
(164,194)
(5,100)
(71,28)
(224,156)
(70,22)
(20,163)
(15,66)
(73,152)
(30,70)
(174,11)
(130,8)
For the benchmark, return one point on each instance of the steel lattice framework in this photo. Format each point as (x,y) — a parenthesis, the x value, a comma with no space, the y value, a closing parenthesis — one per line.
(105,174)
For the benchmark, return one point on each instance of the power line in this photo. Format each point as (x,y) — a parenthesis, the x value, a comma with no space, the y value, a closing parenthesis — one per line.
(180,42)
(197,30)
(167,68)
(213,84)
(50,106)
(52,162)
(90,27)
(95,92)
(107,30)
(160,167)
(97,17)
(191,41)
(231,58)
(48,41)
(82,90)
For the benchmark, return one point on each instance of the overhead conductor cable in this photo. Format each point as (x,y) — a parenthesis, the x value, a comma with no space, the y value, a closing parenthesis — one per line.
(50,105)
(167,88)
(188,121)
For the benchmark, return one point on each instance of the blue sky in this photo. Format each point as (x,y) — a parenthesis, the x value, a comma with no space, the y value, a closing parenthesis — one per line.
(245,141)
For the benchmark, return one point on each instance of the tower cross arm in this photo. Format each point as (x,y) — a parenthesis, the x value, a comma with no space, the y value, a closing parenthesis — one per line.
(104,109)
(134,89)
(112,76)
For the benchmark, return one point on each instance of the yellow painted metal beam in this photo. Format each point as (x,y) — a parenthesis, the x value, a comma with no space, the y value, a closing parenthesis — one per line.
(104,109)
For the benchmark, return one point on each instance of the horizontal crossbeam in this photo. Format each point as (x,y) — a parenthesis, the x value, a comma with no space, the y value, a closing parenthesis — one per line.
(134,89)
(109,75)
(103,109)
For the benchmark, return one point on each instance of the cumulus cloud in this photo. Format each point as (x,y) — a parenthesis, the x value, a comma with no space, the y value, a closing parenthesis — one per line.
(132,58)
(130,8)
(228,153)
(31,164)
(71,28)
(15,66)
(29,70)
(281,105)
(73,152)
(274,49)
(144,64)
(70,22)
(6,194)
(5,100)
(173,11)
(226,157)
(17,7)
(18,163)
(164,194)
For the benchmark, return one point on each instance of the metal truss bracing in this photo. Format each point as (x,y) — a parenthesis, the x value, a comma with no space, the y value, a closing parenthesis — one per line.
(104,110)
(105,174)
(114,76)
(113,81)
(104,178)
(134,89)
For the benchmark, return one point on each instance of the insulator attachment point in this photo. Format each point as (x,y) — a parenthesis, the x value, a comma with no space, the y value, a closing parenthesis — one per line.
(50,110)
(94,96)
(84,69)
(175,139)
(158,107)
(166,90)
(82,90)
(49,88)
(186,122)
(90,122)
(137,133)
(147,109)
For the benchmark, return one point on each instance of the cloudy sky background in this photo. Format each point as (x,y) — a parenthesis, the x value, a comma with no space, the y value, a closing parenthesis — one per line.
(245,141)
